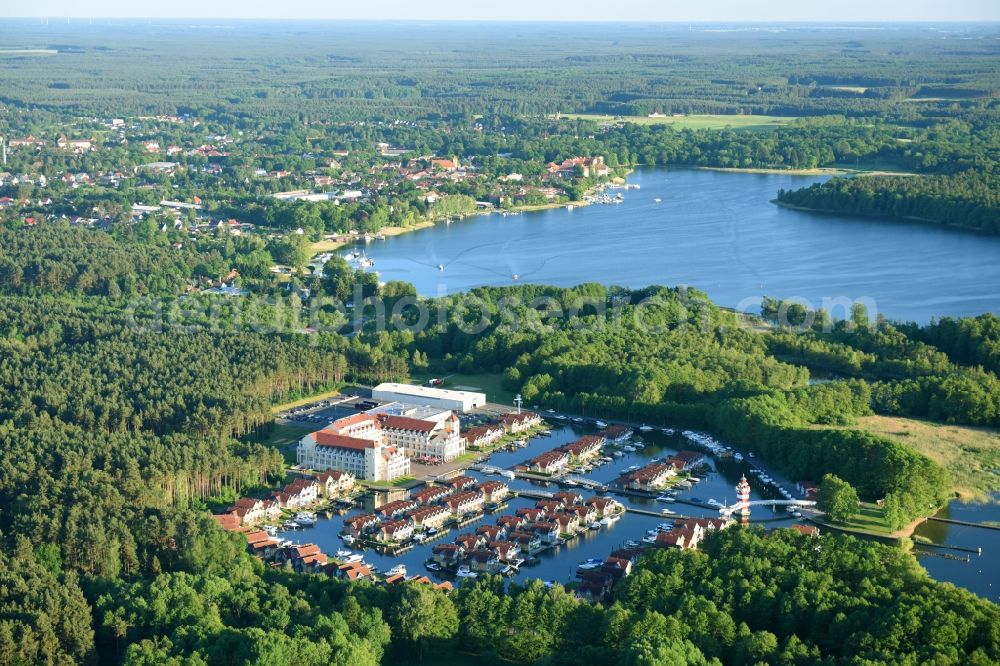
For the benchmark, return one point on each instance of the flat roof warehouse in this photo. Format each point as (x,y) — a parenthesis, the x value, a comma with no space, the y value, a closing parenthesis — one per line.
(427,395)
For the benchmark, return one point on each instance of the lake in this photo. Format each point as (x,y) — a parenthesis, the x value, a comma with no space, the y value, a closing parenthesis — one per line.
(980,573)
(715,231)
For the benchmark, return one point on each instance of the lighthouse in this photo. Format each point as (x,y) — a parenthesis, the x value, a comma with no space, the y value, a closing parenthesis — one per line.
(743,496)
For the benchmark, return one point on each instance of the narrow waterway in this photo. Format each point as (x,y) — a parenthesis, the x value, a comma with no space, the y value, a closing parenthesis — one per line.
(559,564)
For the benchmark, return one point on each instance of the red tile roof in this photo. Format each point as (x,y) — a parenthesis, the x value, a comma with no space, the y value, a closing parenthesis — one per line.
(392,422)
(333,440)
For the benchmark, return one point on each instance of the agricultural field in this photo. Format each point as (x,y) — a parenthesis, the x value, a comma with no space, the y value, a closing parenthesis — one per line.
(971,454)
(695,121)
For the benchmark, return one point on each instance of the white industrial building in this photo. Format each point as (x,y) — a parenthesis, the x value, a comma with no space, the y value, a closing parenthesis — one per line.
(459,401)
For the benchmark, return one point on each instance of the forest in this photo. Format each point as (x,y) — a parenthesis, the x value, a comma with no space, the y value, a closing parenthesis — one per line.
(133,403)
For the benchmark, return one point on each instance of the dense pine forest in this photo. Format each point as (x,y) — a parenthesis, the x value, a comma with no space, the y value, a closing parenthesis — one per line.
(133,400)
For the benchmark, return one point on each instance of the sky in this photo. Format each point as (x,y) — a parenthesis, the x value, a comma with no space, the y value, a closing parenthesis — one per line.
(526,10)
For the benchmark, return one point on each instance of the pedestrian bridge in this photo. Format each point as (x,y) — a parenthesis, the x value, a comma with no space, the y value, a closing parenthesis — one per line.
(768,502)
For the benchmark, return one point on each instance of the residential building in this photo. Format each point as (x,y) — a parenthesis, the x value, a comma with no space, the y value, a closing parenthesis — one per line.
(427,517)
(334,483)
(484,560)
(649,478)
(396,508)
(514,423)
(585,448)
(605,506)
(359,525)
(462,503)
(431,494)
(447,554)
(528,542)
(460,483)
(483,436)
(494,491)
(549,462)
(505,550)
(396,530)
(350,571)
(616,433)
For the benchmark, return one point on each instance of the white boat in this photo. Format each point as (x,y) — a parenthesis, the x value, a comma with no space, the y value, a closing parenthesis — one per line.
(694,479)
(419,537)
(305,518)
(738,457)
(645,428)
(465,572)
(638,445)
(354,557)
(291,525)
(714,502)
(347,538)
(342,553)
(595,525)
(398,569)
(507,474)
(665,498)
(632,468)
(665,526)
(657,199)
(668,431)
(600,424)
(629,448)
(618,454)
(668,512)
(649,539)
(631,543)
(592,563)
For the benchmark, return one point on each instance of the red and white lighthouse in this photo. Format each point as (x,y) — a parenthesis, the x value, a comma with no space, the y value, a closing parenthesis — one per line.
(743,497)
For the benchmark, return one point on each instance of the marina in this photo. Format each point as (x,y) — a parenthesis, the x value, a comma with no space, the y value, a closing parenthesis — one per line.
(559,559)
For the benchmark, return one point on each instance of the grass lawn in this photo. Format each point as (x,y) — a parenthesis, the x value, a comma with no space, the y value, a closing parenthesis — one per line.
(485,382)
(696,121)
(869,520)
(398,483)
(972,455)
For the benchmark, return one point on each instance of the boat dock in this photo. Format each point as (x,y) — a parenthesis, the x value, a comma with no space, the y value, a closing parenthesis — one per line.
(966,523)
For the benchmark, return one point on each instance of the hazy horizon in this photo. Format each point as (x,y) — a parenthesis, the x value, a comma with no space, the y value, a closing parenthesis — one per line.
(717,11)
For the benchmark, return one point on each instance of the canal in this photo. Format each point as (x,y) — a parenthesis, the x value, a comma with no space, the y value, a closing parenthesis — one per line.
(559,564)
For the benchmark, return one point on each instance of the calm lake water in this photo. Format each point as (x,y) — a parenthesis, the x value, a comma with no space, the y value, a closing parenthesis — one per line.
(981,573)
(715,231)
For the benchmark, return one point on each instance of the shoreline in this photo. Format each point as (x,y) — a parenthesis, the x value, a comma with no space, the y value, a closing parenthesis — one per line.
(816,171)
(328,245)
